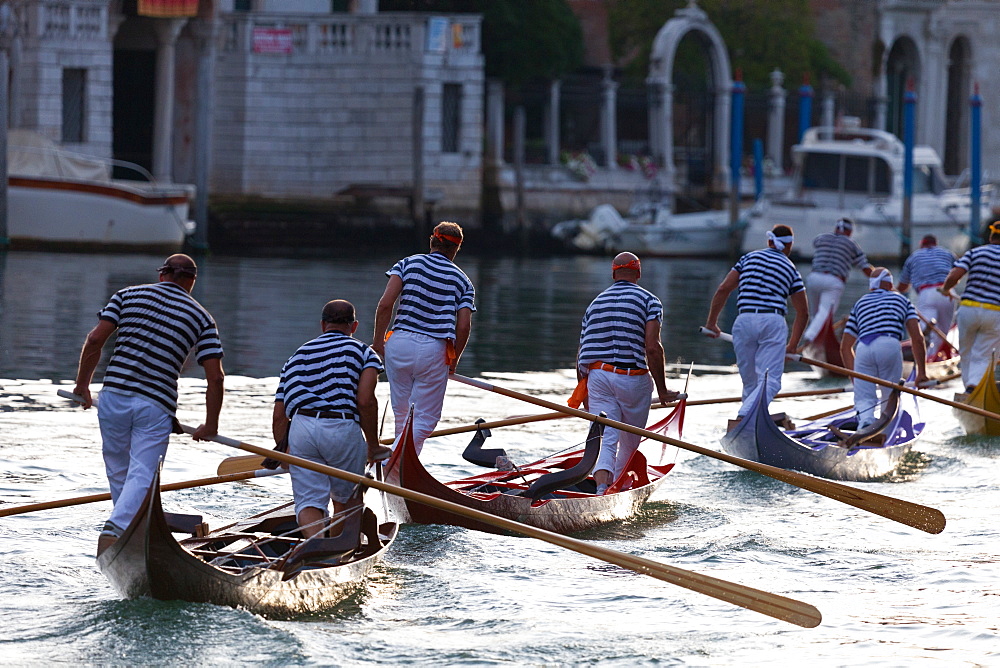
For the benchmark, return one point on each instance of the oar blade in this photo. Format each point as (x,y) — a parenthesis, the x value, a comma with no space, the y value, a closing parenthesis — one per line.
(241,464)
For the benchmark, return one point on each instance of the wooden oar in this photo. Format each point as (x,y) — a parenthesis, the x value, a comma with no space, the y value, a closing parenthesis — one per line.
(766,603)
(779,607)
(894,386)
(252,462)
(80,500)
(920,517)
(934,328)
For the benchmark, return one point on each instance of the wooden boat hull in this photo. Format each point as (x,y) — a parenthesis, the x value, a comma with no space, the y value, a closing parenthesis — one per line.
(986,395)
(759,439)
(566,511)
(148,561)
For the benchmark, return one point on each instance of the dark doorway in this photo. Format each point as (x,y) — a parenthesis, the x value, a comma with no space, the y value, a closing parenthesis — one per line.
(902,68)
(133,109)
(956,128)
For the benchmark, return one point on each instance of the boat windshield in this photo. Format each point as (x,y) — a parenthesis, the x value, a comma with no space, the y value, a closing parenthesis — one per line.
(864,175)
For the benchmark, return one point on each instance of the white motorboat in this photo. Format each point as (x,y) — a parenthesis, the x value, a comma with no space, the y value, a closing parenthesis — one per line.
(650,230)
(857,173)
(64,200)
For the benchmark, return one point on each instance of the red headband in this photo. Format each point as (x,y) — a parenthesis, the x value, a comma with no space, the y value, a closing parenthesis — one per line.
(448,237)
(633,264)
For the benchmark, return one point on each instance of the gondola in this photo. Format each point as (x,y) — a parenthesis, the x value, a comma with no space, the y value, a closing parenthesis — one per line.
(830,447)
(556,493)
(261,564)
(941,365)
(986,395)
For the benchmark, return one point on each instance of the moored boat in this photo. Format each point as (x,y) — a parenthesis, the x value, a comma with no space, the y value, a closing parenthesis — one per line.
(261,564)
(555,493)
(986,395)
(854,172)
(830,446)
(651,230)
(65,200)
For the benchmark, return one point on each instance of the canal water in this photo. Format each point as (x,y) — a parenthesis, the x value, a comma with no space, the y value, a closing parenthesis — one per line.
(890,595)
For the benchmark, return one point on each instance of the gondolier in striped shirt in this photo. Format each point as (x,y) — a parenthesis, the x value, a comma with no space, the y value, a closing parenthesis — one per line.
(158,325)
(877,324)
(326,407)
(766,279)
(925,270)
(834,256)
(979,309)
(434,302)
(620,359)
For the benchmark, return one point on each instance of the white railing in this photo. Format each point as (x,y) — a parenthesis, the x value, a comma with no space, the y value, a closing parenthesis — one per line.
(79,20)
(349,35)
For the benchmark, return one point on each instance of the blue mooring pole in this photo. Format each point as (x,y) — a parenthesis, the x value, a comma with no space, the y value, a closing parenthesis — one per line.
(909,110)
(805,107)
(975,167)
(736,148)
(758,168)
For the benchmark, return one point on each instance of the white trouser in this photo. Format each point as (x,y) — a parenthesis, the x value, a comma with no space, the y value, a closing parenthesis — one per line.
(759,340)
(135,431)
(623,398)
(418,375)
(823,292)
(336,443)
(978,338)
(882,358)
(935,306)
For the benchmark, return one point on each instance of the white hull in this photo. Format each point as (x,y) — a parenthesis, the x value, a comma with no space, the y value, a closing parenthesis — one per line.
(662,234)
(108,215)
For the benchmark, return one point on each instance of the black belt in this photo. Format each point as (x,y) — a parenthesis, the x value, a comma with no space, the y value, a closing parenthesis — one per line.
(761,310)
(328,415)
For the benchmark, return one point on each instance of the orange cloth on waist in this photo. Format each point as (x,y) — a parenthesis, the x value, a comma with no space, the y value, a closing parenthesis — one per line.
(580,392)
(450,354)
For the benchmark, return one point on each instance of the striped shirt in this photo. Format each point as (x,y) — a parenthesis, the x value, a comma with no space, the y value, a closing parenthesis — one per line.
(982,282)
(927,266)
(324,374)
(158,326)
(835,253)
(434,290)
(767,278)
(880,312)
(614,325)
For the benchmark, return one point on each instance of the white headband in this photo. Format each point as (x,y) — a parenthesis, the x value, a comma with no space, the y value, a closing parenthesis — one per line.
(844,225)
(875,281)
(780,242)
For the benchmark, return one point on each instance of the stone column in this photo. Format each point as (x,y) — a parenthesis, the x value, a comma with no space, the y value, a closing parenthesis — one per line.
(494,121)
(552,122)
(163,116)
(364,7)
(829,110)
(776,121)
(723,119)
(661,132)
(609,119)
(205,32)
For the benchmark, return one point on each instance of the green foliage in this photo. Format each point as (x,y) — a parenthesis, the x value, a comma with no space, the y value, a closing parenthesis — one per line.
(522,39)
(761,35)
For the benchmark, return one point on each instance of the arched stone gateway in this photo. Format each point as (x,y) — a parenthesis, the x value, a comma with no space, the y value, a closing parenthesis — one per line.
(689,20)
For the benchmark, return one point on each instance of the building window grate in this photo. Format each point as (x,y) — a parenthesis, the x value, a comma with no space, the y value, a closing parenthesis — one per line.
(451,116)
(74,86)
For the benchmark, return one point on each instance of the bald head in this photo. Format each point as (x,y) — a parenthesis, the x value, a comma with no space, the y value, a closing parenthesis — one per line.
(339,314)
(626,267)
(180,269)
